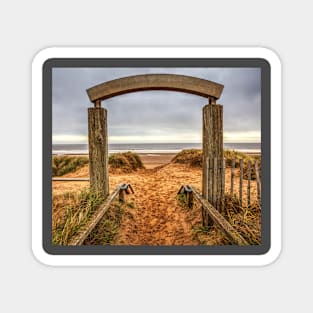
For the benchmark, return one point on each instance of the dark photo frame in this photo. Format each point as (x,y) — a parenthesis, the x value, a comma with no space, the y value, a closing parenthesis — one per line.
(260,63)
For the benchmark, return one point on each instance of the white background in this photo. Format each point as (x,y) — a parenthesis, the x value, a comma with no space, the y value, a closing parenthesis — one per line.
(27,27)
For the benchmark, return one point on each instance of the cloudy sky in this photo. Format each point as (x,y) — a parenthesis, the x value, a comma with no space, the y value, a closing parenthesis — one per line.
(156,116)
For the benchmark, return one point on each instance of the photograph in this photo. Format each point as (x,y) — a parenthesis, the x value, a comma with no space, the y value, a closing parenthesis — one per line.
(156,156)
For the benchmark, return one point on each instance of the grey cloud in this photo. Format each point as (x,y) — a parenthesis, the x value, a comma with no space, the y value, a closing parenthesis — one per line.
(154,112)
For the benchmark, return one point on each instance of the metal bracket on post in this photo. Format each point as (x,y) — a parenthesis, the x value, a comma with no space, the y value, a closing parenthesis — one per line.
(125,188)
(97,104)
(187,191)
(212,100)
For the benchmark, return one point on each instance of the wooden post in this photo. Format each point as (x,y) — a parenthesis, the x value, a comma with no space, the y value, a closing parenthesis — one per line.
(223,184)
(258,182)
(122,196)
(189,199)
(205,182)
(241,180)
(98,150)
(249,183)
(214,181)
(210,177)
(232,177)
(212,146)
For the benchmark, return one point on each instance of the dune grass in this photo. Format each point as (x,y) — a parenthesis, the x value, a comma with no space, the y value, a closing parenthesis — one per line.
(62,165)
(126,162)
(71,212)
(107,229)
(193,158)
(245,220)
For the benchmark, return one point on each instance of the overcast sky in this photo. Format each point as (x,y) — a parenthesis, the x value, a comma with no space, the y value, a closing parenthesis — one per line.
(156,116)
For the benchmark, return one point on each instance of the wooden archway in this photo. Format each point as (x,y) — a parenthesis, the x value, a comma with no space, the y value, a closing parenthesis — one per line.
(212,134)
(182,83)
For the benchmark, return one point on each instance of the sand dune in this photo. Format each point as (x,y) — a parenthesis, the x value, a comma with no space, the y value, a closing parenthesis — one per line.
(154,216)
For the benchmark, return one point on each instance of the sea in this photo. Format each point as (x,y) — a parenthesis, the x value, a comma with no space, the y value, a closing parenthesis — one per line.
(254,147)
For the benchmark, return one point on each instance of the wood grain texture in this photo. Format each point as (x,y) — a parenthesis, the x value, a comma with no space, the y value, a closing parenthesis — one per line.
(232,176)
(98,150)
(182,83)
(240,180)
(258,181)
(249,183)
(212,146)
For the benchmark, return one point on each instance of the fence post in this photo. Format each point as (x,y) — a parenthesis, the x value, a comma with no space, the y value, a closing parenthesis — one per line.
(121,195)
(232,177)
(189,199)
(98,150)
(212,144)
(249,183)
(241,180)
(258,180)
(205,188)
(223,184)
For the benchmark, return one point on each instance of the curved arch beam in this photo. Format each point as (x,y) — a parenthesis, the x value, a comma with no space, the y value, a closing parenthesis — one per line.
(188,84)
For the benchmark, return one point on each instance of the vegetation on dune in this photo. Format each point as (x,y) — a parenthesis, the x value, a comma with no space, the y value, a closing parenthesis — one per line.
(193,157)
(236,155)
(126,162)
(245,220)
(107,229)
(71,212)
(62,165)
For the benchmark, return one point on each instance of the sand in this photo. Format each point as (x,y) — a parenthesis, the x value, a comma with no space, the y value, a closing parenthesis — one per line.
(155,217)
(152,160)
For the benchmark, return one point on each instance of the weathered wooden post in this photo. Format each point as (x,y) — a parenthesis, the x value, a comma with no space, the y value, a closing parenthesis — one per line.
(212,145)
(122,195)
(240,181)
(98,149)
(189,199)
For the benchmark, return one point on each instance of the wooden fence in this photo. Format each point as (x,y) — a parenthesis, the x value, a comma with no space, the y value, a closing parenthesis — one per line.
(217,218)
(240,171)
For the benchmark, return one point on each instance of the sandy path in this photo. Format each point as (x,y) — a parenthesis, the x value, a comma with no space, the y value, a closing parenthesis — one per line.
(157,218)
(153,215)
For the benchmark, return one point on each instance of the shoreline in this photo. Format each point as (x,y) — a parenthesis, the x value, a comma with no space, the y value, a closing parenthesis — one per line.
(150,152)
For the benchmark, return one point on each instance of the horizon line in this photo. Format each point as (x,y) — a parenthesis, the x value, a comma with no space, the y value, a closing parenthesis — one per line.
(169,142)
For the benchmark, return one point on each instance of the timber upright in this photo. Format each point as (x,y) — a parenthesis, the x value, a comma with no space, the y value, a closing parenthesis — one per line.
(213,158)
(98,149)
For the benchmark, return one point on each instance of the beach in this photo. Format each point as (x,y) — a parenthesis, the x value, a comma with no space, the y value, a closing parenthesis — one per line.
(155,217)
(152,160)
